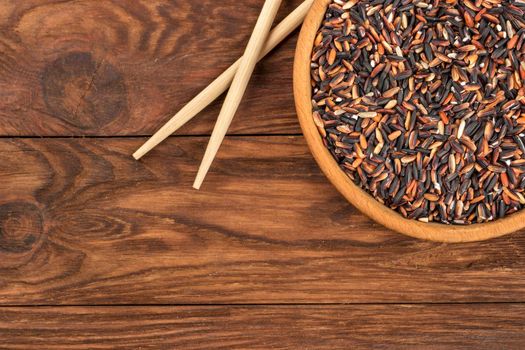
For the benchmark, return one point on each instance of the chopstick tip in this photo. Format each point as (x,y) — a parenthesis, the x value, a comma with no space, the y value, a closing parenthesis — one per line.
(201,173)
(139,153)
(198,182)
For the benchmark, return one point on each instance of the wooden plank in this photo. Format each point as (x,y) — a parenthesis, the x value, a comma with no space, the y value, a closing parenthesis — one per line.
(83,223)
(265,327)
(114,67)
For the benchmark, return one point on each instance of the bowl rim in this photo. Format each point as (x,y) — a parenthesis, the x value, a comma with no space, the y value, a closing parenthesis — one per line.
(359,198)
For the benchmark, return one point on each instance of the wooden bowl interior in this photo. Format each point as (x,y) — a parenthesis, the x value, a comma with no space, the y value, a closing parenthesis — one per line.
(353,193)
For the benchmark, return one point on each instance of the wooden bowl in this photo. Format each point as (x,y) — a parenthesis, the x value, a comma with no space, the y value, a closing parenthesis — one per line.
(353,193)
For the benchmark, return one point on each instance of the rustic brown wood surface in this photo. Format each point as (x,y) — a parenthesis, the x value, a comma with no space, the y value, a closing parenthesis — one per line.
(266,327)
(100,67)
(84,223)
(100,251)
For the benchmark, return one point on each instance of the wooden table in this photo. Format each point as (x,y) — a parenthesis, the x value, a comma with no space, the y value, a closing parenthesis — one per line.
(100,251)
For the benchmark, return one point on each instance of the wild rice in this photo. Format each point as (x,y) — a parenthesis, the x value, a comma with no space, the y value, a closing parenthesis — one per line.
(422,103)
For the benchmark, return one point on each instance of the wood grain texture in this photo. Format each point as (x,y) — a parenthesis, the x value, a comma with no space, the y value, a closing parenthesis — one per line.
(266,327)
(83,223)
(115,67)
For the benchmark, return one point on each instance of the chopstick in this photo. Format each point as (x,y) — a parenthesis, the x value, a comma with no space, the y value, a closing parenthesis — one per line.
(238,86)
(219,85)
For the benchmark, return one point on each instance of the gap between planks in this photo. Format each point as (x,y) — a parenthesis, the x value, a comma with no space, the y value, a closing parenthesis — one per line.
(263,305)
(143,136)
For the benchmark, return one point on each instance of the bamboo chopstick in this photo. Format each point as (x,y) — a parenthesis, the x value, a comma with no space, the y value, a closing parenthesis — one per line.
(238,86)
(219,85)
